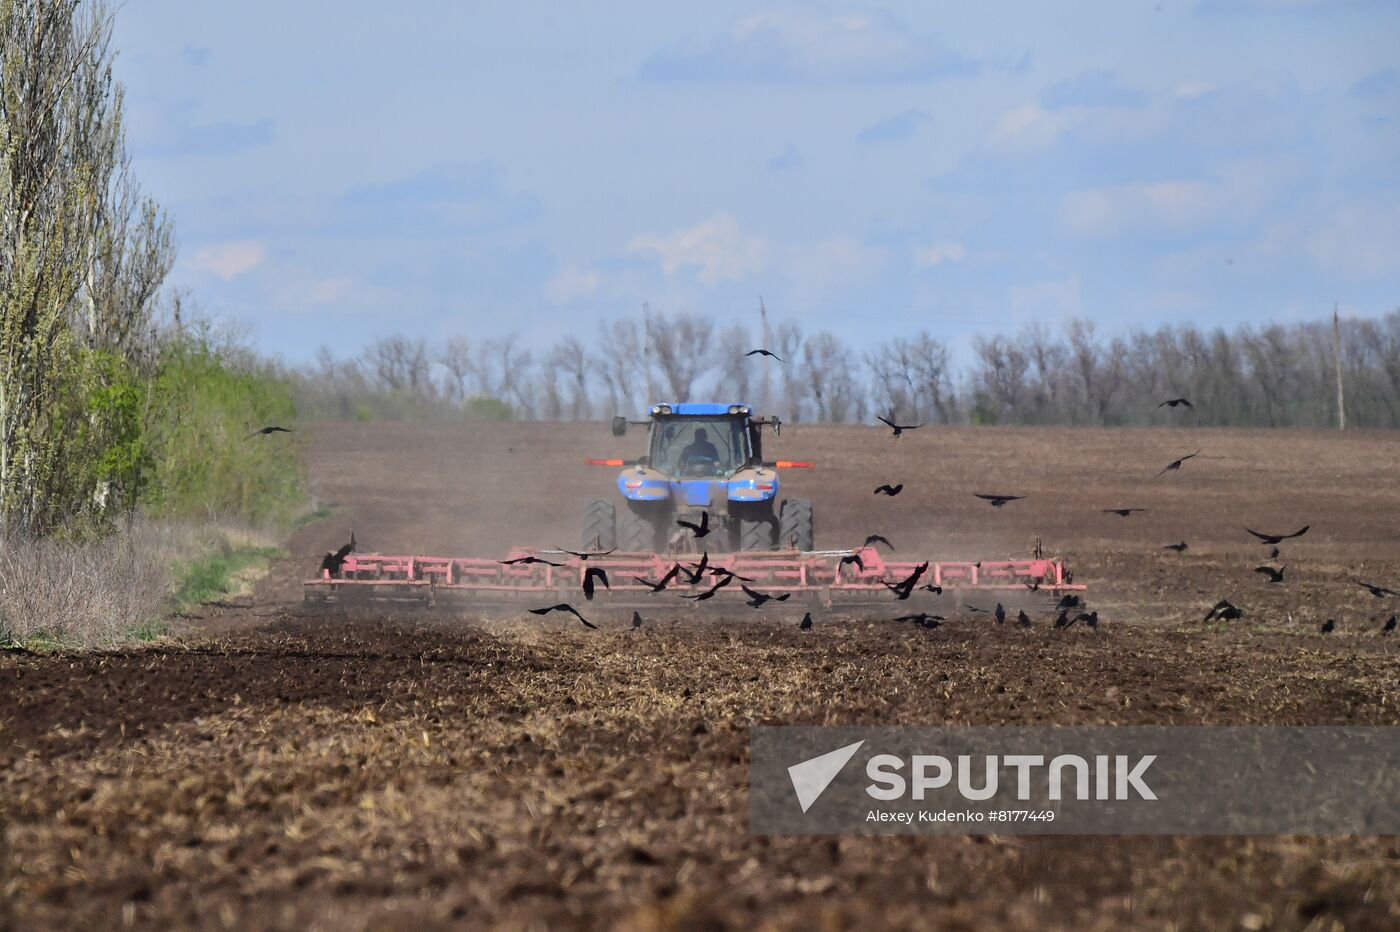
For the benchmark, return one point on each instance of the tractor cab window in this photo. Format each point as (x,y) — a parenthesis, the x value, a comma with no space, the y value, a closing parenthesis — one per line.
(699,447)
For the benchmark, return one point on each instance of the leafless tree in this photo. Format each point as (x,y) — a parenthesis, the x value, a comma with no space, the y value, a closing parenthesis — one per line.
(621,363)
(682,349)
(455,357)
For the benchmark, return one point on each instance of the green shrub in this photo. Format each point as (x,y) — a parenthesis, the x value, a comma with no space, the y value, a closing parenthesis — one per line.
(203,462)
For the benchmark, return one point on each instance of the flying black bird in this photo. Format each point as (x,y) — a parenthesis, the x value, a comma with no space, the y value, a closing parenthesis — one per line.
(1023,618)
(700,529)
(764,352)
(530,560)
(936,590)
(636,620)
(1379,592)
(897,428)
(1389,625)
(855,559)
(906,586)
(726,571)
(998,500)
(1067,601)
(890,490)
(923,619)
(1273,553)
(1275,575)
(564,607)
(1177,547)
(699,569)
(584,556)
(665,580)
(1224,610)
(274,429)
(756,598)
(710,593)
(332,562)
(877,539)
(1063,620)
(1173,402)
(1328,626)
(1176,464)
(999,614)
(974,609)
(1278,538)
(1091,619)
(806,622)
(591,574)
(1120,512)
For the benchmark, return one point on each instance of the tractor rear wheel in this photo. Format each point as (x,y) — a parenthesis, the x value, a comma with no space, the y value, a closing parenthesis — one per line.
(599,525)
(639,528)
(795,528)
(757,528)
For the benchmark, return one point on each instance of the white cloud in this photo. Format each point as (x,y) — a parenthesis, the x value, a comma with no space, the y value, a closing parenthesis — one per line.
(802,45)
(1030,127)
(572,282)
(716,248)
(1174,205)
(230,259)
(939,253)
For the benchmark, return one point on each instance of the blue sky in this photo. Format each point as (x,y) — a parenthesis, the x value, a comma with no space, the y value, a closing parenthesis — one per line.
(341,170)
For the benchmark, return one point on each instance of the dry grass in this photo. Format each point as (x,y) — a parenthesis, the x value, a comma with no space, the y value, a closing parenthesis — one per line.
(102,591)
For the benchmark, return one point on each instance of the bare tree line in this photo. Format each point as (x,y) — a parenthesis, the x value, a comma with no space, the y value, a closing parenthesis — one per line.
(1272,375)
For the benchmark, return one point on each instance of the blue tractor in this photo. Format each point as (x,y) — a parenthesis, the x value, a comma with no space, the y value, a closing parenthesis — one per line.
(704,464)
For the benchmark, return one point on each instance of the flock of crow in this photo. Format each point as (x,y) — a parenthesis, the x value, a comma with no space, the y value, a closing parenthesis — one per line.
(1224,610)
(694,574)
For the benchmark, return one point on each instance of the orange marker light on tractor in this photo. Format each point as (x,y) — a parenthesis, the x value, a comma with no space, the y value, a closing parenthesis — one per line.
(793,464)
(605,462)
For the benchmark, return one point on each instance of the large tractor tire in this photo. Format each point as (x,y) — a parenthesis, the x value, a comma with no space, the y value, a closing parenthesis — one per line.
(795,525)
(599,525)
(758,530)
(639,527)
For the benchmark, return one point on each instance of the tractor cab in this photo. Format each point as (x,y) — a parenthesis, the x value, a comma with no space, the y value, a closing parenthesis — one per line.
(701,460)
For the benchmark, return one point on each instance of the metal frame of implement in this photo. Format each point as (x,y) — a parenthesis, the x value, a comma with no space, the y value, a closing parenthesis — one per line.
(818,575)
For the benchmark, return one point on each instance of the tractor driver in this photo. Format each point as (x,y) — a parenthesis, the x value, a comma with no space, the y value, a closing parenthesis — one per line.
(700,448)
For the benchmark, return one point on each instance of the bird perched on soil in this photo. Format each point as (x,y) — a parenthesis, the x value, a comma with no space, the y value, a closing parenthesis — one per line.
(1275,575)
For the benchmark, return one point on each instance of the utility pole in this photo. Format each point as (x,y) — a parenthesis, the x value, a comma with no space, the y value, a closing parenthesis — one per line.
(651,398)
(767,361)
(1337,351)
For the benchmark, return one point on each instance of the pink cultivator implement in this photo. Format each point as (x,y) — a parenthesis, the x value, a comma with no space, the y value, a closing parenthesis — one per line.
(813,578)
